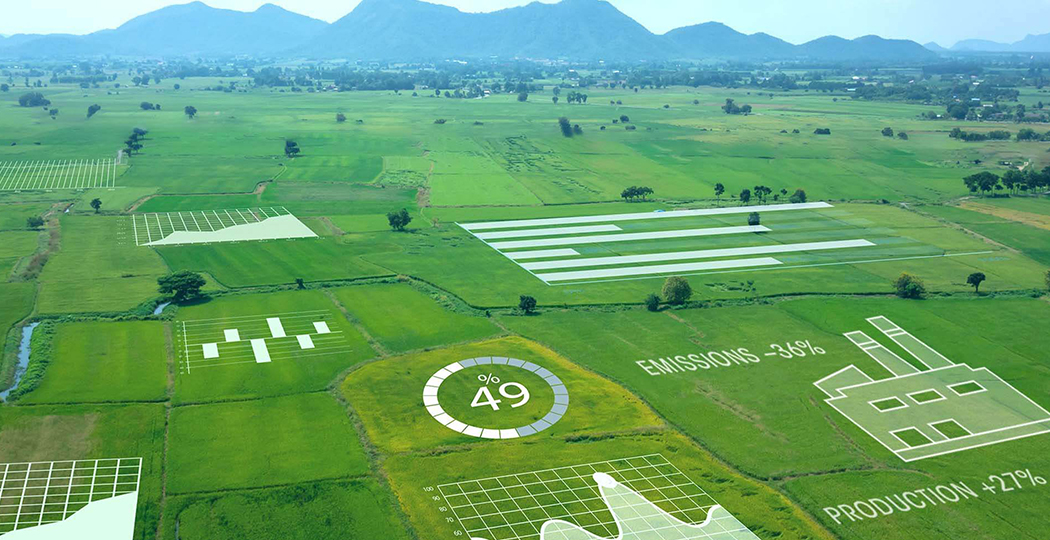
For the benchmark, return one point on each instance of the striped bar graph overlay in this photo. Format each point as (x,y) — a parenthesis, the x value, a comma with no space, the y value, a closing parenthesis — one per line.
(258,339)
(582,249)
(57,174)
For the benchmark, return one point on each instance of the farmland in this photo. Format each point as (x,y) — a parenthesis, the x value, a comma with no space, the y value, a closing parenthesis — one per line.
(344,380)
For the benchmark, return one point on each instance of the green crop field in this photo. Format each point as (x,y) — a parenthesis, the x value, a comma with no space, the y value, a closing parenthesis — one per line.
(379,383)
(103,361)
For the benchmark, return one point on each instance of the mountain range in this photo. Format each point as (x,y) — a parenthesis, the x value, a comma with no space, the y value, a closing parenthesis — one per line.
(1030,44)
(415,30)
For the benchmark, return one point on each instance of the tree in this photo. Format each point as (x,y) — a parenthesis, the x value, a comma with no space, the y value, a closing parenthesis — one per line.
(887,132)
(909,286)
(719,190)
(974,280)
(566,127)
(291,148)
(34,222)
(190,111)
(96,204)
(633,192)
(753,219)
(745,196)
(526,304)
(523,97)
(93,109)
(799,196)
(1047,279)
(399,220)
(577,130)
(4,88)
(982,181)
(652,302)
(33,99)
(902,135)
(53,113)
(625,119)
(340,118)
(677,290)
(182,286)
(147,106)
(555,99)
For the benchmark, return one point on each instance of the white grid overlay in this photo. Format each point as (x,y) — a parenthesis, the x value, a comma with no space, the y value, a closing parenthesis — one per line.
(150,227)
(57,174)
(38,493)
(516,506)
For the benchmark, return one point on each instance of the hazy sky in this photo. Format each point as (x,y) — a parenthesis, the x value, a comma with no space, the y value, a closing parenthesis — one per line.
(944,21)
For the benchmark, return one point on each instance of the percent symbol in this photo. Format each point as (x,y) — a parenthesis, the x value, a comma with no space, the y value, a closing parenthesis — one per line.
(1027,473)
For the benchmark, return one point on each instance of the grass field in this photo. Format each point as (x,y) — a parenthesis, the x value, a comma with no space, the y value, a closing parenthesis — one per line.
(338,411)
(86,432)
(324,511)
(103,361)
(418,323)
(97,268)
(288,440)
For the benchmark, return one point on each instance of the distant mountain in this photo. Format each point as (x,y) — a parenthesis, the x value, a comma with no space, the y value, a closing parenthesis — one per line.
(718,40)
(193,29)
(970,45)
(933,46)
(410,29)
(864,48)
(417,30)
(1030,44)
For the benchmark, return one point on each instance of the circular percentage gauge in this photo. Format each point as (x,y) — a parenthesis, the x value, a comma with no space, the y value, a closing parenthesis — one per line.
(430,398)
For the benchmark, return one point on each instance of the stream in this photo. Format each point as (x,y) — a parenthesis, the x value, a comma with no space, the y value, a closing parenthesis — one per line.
(23,358)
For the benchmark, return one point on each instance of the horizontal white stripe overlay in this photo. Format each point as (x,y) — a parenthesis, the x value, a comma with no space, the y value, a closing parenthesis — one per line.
(702,254)
(555,231)
(657,269)
(607,218)
(542,254)
(627,237)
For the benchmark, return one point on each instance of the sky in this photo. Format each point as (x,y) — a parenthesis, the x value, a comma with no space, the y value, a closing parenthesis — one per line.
(797,21)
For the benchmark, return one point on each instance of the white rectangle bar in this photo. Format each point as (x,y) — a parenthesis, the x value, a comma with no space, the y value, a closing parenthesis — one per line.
(541,253)
(607,218)
(305,342)
(555,231)
(262,354)
(322,327)
(628,237)
(701,254)
(211,350)
(232,335)
(276,329)
(657,269)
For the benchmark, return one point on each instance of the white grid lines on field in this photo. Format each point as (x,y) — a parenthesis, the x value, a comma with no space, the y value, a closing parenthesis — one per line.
(516,506)
(46,175)
(235,340)
(39,493)
(520,240)
(149,227)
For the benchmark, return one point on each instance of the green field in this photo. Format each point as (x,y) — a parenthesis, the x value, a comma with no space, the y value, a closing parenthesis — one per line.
(103,361)
(312,390)
(261,443)
(286,375)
